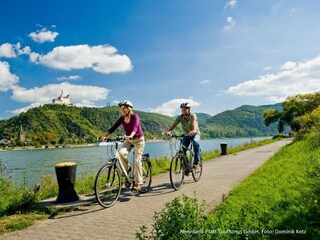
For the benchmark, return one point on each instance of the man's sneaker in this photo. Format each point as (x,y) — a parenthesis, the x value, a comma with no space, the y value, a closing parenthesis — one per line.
(196,166)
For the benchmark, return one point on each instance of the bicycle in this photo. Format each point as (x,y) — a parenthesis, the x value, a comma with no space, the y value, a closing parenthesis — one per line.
(108,182)
(182,164)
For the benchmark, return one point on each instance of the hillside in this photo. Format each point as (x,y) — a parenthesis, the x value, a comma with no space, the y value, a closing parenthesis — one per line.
(56,124)
(245,121)
(61,124)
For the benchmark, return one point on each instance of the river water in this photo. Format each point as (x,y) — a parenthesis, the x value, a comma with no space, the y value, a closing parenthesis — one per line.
(27,166)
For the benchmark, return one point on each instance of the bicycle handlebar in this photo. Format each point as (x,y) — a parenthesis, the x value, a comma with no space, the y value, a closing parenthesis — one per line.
(177,136)
(118,139)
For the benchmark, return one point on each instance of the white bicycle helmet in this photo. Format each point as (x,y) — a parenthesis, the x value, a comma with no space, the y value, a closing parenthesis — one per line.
(185,105)
(125,103)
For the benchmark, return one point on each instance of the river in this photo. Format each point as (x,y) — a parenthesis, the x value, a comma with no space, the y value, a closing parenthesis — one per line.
(27,166)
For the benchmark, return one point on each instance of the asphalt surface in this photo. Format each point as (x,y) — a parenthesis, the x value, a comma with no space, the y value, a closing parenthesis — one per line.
(133,210)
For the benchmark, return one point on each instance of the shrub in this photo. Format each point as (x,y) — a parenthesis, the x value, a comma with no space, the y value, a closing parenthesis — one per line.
(180,219)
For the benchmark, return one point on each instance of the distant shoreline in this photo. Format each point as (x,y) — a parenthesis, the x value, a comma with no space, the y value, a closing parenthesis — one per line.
(60,146)
(82,145)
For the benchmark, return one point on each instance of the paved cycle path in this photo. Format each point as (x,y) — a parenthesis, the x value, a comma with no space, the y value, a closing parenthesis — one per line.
(132,210)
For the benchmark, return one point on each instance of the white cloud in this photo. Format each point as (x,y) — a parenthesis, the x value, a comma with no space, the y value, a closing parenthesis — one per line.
(172,107)
(288,65)
(101,58)
(296,78)
(231,4)
(267,68)
(34,57)
(24,109)
(230,24)
(43,35)
(45,94)
(7,50)
(81,95)
(7,79)
(206,81)
(70,78)
(24,51)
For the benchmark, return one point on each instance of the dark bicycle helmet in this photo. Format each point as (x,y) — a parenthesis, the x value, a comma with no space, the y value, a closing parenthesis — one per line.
(125,103)
(185,105)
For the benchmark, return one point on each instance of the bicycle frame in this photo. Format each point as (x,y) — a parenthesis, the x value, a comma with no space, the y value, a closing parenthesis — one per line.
(108,182)
(117,163)
(181,165)
(183,154)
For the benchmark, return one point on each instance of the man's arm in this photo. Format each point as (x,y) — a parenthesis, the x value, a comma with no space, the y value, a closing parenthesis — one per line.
(175,123)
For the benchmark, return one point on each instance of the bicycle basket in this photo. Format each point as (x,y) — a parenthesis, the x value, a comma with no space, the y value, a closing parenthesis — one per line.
(174,146)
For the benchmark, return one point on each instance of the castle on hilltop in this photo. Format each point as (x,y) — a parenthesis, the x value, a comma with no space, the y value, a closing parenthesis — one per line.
(62,100)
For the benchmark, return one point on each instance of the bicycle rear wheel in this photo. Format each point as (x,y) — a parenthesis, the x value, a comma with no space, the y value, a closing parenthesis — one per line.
(177,170)
(147,175)
(107,185)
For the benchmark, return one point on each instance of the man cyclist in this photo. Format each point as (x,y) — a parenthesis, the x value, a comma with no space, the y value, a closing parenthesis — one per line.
(189,124)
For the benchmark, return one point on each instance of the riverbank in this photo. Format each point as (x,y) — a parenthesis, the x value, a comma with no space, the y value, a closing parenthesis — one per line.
(29,166)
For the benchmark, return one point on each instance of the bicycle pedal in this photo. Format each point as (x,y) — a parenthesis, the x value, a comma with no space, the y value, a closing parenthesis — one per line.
(127,184)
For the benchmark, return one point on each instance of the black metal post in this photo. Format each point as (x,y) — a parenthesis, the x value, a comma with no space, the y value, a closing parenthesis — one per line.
(66,176)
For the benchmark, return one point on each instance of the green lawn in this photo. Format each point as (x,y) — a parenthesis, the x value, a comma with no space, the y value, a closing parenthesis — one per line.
(280,200)
(281,197)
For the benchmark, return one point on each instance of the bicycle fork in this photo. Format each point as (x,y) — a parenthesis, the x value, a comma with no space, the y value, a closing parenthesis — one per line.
(113,167)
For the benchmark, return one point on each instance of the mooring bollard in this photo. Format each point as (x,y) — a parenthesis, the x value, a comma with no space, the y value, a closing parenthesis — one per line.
(66,176)
(223,148)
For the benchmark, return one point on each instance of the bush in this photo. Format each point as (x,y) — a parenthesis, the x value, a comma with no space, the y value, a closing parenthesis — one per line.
(14,200)
(180,219)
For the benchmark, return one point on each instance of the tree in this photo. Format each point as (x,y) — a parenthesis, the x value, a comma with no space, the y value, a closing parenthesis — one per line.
(293,109)
(310,122)
(271,115)
(61,140)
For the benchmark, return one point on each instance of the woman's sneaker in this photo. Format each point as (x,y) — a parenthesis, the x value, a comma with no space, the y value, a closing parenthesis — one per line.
(137,187)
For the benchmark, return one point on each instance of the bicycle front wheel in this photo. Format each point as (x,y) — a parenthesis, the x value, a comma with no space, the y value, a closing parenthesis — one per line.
(176,172)
(196,173)
(147,176)
(107,185)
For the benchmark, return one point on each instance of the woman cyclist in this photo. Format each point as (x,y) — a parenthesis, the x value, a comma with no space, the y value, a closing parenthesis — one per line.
(133,137)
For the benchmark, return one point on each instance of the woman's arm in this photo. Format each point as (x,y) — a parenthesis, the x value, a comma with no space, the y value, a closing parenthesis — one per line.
(114,127)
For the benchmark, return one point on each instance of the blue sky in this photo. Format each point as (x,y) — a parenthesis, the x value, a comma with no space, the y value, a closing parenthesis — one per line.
(216,54)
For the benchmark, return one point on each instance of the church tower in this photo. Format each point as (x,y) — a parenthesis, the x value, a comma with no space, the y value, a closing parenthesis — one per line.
(22,137)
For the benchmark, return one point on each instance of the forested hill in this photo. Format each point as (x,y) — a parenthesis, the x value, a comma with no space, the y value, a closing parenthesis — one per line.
(245,121)
(56,124)
(69,124)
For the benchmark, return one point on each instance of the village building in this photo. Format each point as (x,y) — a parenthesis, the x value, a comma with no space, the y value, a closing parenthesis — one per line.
(62,100)
(4,141)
